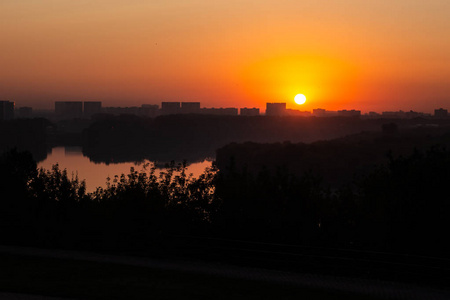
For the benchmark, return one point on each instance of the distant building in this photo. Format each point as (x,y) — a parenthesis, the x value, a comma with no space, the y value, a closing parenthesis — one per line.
(403,115)
(440,113)
(393,114)
(319,112)
(69,109)
(149,110)
(190,107)
(413,114)
(170,108)
(373,114)
(133,110)
(6,110)
(24,112)
(349,113)
(297,113)
(229,111)
(249,111)
(91,108)
(275,109)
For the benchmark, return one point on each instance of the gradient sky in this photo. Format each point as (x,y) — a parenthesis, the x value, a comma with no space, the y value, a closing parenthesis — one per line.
(368,55)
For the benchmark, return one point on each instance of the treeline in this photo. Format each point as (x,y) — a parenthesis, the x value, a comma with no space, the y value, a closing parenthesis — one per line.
(402,205)
(337,161)
(25,134)
(194,137)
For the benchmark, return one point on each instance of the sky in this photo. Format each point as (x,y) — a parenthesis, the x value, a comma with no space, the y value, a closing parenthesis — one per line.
(347,54)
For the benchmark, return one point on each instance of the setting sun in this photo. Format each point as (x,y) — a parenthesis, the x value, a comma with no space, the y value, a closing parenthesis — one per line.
(300,99)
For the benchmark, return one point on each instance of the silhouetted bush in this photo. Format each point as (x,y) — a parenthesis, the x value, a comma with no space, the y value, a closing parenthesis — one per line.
(49,208)
(17,169)
(405,203)
(399,205)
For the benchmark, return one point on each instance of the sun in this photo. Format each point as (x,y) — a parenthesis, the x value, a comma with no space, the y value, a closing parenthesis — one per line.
(300,99)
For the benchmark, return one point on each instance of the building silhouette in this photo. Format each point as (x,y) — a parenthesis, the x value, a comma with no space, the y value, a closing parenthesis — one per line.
(403,114)
(170,108)
(349,113)
(297,113)
(393,114)
(373,115)
(275,109)
(190,107)
(174,108)
(440,113)
(319,112)
(149,110)
(6,110)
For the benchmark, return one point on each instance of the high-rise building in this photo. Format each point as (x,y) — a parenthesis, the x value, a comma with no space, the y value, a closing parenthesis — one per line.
(69,109)
(6,110)
(190,107)
(170,108)
(275,109)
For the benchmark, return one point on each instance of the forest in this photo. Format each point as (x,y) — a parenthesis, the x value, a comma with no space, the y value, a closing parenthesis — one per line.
(194,137)
(399,203)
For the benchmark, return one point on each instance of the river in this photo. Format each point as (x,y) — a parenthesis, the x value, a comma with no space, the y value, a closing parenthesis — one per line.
(95,174)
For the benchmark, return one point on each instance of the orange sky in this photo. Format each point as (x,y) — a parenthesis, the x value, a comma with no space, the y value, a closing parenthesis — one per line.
(368,55)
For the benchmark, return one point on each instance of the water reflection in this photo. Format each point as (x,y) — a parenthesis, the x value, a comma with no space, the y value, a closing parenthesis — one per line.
(95,174)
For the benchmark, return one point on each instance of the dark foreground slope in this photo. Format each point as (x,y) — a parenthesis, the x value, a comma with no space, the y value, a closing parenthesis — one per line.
(388,221)
(84,275)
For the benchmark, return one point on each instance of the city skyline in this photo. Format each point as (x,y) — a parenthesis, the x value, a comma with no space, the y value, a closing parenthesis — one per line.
(87,109)
(371,55)
(289,106)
